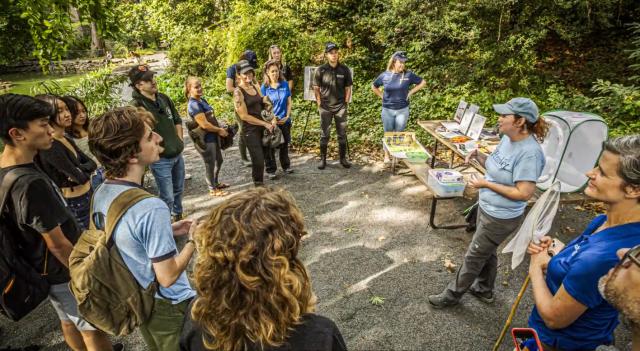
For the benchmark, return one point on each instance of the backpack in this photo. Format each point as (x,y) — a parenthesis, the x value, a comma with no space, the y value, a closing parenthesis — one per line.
(22,287)
(108,295)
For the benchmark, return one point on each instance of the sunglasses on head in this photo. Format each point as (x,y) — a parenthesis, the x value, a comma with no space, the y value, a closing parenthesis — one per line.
(632,256)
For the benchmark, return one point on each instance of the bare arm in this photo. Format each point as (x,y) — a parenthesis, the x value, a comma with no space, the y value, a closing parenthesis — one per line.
(168,271)
(316,92)
(290,86)
(58,244)
(229,85)
(201,119)
(416,88)
(523,191)
(376,90)
(347,94)
(557,311)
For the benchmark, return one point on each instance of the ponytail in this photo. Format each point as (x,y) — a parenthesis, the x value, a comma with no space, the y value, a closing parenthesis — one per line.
(540,129)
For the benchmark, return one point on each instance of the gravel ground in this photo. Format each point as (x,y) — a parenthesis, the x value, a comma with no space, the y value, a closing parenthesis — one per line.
(368,237)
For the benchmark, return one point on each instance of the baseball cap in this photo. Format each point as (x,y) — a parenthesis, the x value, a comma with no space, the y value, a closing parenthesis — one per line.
(140,72)
(400,56)
(243,67)
(520,106)
(251,57)
(330,46)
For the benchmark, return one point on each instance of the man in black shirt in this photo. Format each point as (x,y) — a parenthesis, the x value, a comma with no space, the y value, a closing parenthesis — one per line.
(36,211)
(332,86)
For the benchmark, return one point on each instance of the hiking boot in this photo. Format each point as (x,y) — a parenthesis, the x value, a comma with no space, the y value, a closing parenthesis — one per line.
(343,156)
(323,157)
(442,300)
(486,297)
(272,176)
(118,346)
(288,171)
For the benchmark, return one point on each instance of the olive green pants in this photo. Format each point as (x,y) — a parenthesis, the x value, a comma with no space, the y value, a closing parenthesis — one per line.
(162,331)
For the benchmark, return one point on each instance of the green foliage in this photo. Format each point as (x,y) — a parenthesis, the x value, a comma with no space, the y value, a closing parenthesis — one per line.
(99,90)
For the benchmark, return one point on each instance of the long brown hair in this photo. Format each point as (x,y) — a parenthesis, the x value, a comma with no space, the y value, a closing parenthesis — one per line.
(265,74)
(252,288)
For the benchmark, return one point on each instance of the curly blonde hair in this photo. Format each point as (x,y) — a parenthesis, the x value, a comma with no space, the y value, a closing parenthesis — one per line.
(252,288)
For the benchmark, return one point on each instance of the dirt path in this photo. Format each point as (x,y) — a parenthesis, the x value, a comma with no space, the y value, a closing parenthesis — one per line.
(368,237)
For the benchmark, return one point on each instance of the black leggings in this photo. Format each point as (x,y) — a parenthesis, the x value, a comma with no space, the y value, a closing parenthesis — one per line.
(253,140)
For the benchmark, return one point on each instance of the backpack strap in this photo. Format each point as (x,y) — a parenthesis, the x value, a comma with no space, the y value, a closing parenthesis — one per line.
(7,182)
(120,205)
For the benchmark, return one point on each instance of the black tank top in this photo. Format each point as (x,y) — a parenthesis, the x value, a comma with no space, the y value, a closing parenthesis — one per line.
(254,108)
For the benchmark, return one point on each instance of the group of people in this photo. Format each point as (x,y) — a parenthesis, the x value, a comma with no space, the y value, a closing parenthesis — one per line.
(250,290)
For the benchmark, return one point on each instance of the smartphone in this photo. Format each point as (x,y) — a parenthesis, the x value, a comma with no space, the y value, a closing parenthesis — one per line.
(526,339)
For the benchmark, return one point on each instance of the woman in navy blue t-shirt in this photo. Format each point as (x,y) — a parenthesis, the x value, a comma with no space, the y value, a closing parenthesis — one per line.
(202,113)
(396,82)
(570,313)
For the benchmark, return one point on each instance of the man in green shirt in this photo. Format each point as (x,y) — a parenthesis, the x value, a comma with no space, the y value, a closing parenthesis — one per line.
(169,171)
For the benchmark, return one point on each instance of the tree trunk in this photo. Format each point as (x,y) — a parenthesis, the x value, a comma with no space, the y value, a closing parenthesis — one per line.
(97,44)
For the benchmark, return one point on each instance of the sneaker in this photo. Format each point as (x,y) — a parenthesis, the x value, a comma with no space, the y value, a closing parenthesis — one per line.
(187,176)
(486,297)
(272,176)
(288,171)
(444,299)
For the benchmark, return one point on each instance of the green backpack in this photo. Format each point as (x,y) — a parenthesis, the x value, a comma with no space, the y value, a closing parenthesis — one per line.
(109,297)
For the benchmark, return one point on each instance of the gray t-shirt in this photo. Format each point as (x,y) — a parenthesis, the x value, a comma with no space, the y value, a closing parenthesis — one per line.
(511,162)
(144,236)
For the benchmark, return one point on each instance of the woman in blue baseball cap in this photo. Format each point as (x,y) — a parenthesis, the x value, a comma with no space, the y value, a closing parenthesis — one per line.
(510,181)
(396,81)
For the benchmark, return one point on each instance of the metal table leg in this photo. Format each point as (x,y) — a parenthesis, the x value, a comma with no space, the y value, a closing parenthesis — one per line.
(432,215)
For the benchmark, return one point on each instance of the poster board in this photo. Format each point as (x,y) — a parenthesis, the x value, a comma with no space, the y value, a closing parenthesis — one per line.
(404,145)
(475,128)
(467,118)
(309,72)
(460,111)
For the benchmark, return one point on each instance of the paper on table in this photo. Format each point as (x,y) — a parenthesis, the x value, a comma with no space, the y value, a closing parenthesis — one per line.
(451,126)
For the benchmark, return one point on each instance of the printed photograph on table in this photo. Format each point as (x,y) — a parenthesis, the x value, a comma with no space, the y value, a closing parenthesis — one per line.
(467,118)
(460,111)
(404,145)
(475,129)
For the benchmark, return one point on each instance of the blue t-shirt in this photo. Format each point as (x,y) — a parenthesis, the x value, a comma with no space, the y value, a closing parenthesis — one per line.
(194,107)
(396,88)
(144,236)
(511,162)
(280,97)
(579,267)
(231,73)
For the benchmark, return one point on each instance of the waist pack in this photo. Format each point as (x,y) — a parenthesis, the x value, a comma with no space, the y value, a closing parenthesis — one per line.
(226,142)
(109,297)
(22,287)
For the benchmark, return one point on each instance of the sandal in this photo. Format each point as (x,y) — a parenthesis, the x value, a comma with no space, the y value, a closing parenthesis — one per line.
(218,192)
(221,185)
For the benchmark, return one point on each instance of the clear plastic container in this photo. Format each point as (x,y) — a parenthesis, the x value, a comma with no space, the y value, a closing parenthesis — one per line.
(443,188)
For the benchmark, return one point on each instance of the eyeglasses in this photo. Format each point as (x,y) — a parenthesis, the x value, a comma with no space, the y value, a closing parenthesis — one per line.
(632,256)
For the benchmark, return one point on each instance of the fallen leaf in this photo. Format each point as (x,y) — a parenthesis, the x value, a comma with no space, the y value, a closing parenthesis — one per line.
(376,300)
(505,283)
(380,238)
(449,265)
(580,208)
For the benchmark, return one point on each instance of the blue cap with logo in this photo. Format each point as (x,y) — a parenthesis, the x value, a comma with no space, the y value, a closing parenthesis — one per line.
(330,46)
(251,57)
(400,56)
(520,106)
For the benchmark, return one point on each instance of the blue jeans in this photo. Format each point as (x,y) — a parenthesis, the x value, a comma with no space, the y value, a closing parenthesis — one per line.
(97,178)
(169,176)
(395,120)
(79,206)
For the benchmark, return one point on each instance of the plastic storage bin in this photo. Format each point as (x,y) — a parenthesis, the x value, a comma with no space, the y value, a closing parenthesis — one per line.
(446,182)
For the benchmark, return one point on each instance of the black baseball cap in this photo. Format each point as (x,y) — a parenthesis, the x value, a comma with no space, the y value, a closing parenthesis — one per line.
(243,67)
(140,72)
(330,46)
(251,57)
(400,56)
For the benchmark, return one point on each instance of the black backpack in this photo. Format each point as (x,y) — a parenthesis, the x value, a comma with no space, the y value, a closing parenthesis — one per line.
(22,287)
